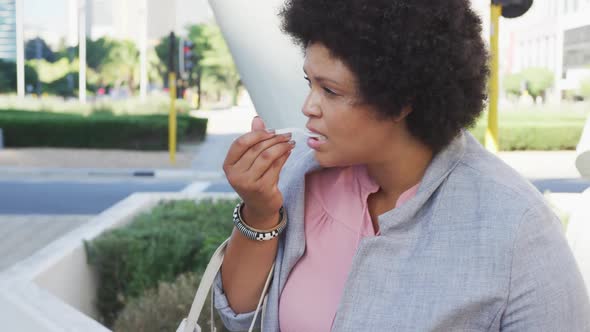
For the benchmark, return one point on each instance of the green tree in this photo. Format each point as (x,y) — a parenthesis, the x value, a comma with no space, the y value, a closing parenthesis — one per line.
(219,65)
(162,52)
(38,48)
(8,77)
(213,64)
(513,84)
(110,61)
(537,81)
(201,35)
(98,52)
(122,64)
(585,88)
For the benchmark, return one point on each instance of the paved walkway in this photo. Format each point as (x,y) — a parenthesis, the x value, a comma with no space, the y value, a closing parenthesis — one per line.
(223,127)
(21,236)
(94,158)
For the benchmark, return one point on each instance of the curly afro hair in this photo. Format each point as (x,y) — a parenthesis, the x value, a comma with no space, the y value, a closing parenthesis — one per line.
(420,53)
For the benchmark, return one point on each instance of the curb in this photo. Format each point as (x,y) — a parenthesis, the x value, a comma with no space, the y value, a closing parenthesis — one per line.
(111,172)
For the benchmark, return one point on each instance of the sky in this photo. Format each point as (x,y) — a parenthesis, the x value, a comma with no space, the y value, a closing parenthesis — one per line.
(50,16)
(47,15)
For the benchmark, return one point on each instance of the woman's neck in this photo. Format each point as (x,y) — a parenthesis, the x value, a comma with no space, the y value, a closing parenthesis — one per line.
(401,170)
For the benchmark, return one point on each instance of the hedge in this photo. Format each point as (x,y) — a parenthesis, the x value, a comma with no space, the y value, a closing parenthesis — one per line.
(536,130)
(174,238)
(540,136)
(100,131)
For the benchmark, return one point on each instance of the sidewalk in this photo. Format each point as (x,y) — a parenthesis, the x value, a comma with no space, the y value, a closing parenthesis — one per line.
(93,158)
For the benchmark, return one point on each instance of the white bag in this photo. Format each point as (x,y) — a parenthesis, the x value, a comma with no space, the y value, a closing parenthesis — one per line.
(189,324)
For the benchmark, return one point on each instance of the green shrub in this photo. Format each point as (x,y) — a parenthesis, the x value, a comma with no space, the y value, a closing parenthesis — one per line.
(162,308)
(101,130)
(174,238)
(535,130)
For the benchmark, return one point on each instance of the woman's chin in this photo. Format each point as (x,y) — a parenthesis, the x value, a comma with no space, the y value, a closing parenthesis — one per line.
(326,160)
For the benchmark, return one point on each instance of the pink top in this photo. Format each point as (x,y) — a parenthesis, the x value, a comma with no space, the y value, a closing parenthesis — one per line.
(336,219)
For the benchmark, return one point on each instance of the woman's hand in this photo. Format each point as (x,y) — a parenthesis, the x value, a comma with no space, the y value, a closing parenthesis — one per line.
(252,167)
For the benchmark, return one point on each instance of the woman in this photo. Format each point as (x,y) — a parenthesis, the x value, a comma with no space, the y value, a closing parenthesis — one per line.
(397,219)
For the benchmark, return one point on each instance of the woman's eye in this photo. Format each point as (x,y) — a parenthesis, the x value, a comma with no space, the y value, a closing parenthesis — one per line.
(330,92)
(308,81)
(326,90)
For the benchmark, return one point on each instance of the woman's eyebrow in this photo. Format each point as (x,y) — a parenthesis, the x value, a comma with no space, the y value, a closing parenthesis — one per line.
(321,78)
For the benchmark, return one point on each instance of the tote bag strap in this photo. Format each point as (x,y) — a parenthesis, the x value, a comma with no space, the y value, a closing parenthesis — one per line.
(206,284)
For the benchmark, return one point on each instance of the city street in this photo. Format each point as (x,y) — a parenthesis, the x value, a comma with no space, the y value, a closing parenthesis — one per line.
(92,196)
(82,196)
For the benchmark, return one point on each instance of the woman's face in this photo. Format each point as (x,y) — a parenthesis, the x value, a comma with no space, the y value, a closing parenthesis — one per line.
(352,132)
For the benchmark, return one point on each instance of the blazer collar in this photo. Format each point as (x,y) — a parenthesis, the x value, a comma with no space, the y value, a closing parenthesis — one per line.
(294,245)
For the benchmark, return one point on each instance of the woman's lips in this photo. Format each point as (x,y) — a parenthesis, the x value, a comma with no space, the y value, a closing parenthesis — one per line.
(318,135)
(315,143)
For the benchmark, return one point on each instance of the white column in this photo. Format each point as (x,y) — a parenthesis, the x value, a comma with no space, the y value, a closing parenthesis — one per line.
(250,29)
(559,62)
(143,31)
(82,50)
(20,50)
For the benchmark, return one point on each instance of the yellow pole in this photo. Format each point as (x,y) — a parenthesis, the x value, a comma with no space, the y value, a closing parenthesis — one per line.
(172,118)
(491,138)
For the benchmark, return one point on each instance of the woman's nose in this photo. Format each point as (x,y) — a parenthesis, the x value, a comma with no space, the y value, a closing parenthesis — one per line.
(311,107)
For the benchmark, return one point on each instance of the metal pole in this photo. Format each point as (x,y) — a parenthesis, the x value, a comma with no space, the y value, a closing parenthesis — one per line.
(72,38)
(39,56)
(20,50)
(491,137)
(180,57)
(172,87)
(82,55)
(143,79)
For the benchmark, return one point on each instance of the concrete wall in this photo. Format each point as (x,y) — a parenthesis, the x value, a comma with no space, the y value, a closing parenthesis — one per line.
(55,289)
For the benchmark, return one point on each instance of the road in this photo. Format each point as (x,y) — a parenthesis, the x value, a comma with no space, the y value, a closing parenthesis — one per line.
(74,197)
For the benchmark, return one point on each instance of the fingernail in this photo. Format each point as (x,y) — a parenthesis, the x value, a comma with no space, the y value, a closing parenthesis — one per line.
(288,135)
(292,143)
(270,131)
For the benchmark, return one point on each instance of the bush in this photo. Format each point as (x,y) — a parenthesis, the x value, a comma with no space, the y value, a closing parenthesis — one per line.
(174,238)
(100,130)
(535,130)
(162,308)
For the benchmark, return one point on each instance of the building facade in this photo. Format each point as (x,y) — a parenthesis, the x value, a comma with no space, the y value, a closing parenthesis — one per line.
(8,30)
(554,34)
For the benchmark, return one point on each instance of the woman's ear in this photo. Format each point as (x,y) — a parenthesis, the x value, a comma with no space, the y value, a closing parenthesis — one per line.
(406,110)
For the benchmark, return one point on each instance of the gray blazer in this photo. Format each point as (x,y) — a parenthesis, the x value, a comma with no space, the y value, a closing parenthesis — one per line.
(477,249)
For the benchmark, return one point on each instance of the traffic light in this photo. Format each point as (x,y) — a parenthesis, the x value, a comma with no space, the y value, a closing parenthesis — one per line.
(188,51)
(513,8)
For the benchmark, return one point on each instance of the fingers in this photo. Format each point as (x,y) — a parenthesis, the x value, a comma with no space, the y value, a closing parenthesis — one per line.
(258,124)
(243,143)
(248,158)
(267,157)
(271,177)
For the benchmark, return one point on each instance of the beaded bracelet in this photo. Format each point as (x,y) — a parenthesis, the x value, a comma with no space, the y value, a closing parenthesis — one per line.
(257,234)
